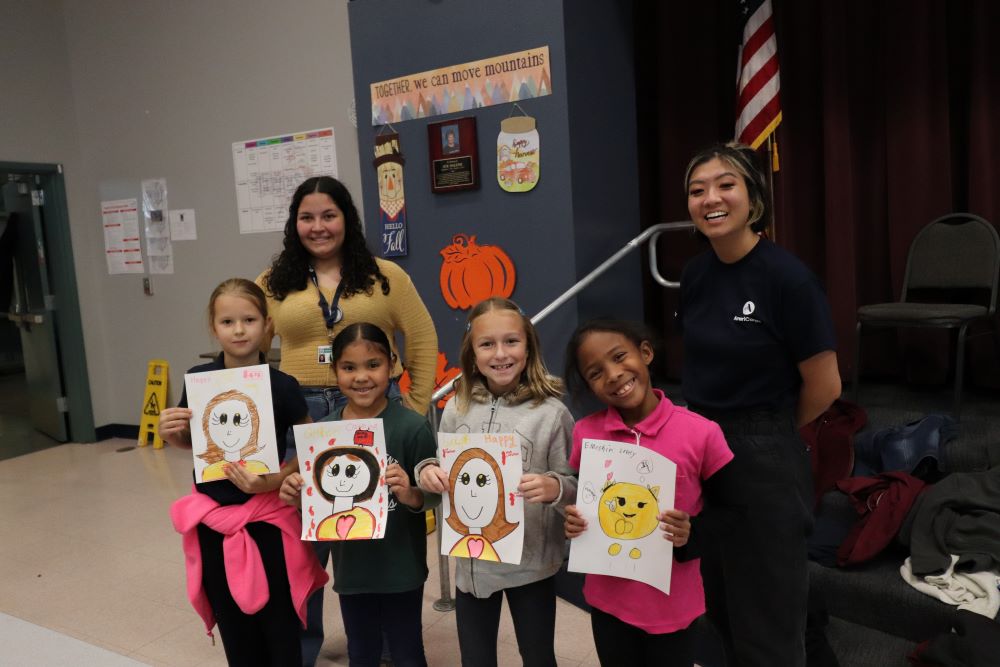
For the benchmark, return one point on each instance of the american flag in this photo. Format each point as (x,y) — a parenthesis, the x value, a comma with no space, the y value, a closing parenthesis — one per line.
(758,108)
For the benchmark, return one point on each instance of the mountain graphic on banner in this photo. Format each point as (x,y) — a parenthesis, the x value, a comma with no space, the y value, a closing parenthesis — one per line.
(544,85)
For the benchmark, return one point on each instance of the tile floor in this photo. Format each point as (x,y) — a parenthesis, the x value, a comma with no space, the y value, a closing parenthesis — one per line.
(87,551)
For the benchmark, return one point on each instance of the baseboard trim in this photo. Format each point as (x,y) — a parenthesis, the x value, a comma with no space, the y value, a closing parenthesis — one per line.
(108,431)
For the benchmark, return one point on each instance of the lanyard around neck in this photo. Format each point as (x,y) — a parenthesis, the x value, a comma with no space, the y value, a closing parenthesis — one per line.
(331,315)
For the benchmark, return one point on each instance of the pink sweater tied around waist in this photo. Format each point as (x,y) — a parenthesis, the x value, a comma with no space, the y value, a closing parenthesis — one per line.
(244,567)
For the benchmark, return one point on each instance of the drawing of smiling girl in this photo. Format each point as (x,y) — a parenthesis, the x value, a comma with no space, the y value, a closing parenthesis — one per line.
(476,508)
(231,425)
(345,476)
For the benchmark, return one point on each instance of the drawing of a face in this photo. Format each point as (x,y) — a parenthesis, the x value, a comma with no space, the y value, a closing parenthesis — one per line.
(347,472)
(346,476)
(476,493)
(230,426)
(627,511)
(476,489)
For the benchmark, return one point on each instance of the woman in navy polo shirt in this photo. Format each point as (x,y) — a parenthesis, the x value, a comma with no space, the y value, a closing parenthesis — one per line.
(758,359)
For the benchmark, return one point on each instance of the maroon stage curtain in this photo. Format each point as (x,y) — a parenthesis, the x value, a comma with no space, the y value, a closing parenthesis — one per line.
(890,113)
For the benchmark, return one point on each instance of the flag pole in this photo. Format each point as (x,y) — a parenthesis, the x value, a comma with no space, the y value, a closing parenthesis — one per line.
(772,225)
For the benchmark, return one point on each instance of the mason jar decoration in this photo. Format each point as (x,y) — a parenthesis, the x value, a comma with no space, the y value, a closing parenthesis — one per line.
(517,154)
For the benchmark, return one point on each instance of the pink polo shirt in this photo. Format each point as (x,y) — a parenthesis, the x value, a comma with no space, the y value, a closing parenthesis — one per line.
(699,449)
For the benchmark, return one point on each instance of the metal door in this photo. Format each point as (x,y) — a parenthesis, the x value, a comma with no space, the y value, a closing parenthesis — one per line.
(33,310)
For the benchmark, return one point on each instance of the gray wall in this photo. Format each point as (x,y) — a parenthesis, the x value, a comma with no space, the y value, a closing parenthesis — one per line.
(122,90)
(586,200)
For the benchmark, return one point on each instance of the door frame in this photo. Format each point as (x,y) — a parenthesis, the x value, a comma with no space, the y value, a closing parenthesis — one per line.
(69,330)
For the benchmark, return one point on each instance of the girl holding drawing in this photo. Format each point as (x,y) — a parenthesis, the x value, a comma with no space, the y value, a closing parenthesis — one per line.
(634,623)
(505,388)
(324,279)
(259,616)
(380,582)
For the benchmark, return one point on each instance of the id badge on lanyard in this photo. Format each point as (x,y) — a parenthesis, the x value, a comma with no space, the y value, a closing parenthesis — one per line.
(331,316)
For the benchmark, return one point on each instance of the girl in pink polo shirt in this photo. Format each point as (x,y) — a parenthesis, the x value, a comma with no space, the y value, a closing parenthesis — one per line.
(634,623)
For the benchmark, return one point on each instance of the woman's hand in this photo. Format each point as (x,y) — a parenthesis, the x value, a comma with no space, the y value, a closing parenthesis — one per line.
(291,490)
(575,523)
(433,478)
(175,426)
(676,526)
(536,488)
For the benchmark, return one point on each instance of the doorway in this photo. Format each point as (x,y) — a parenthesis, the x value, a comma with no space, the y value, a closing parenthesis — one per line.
(44,389)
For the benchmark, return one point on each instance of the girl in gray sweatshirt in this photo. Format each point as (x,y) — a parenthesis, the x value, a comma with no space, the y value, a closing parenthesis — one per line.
(505,388)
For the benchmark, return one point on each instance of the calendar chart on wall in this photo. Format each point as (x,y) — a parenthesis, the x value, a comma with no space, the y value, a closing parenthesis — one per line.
(268,171)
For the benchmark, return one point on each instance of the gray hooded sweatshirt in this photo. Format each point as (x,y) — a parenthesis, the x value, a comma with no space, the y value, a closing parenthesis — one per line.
(546,431)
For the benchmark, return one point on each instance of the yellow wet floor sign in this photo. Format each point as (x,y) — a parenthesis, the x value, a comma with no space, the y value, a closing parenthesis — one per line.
(153,402)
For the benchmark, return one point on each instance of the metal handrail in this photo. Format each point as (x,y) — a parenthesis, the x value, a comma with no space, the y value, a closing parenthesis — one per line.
(651,234)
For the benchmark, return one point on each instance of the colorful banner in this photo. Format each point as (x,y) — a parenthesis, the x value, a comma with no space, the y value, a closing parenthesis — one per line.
(391,198)
(483,83)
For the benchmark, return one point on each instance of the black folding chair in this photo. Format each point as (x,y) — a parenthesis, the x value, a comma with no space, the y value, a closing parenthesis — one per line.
(958,253)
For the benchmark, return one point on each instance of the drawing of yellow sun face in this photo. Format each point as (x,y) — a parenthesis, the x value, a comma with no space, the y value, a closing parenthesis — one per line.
(627,511)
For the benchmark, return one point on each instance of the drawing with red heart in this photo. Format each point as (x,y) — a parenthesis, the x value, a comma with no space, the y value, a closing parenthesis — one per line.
(344,525)
(475,547)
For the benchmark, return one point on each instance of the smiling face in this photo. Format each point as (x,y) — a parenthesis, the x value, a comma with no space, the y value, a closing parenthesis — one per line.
(230,425)
(719,203)
(320,225)
(345,476)
(501,349)
(239,326)
(475,493)
(617,371)
(627,511)
(363,370)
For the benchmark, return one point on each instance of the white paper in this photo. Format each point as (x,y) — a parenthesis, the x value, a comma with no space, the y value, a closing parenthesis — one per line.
(159,265)
(120,218)
(182,225)
(343,466)
(622,488)
(158,247)
(231,409)
(268,171)
(483,512)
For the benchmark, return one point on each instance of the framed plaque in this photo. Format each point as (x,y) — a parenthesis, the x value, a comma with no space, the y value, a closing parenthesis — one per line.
(454,155)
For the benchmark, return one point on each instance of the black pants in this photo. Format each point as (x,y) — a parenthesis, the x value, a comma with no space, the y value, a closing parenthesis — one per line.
(533,610)
(369,616)
(269,638)
(619,644)
(757,579)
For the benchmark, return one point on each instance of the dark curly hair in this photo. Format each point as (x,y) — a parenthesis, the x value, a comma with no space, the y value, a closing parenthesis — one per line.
(290,268)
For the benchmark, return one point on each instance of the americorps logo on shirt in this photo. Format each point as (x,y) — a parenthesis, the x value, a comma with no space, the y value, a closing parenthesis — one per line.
(748,310)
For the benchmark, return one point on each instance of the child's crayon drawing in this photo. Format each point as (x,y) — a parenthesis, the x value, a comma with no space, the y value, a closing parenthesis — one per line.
(622,489)
(484,513)
(344,496)
(232,421)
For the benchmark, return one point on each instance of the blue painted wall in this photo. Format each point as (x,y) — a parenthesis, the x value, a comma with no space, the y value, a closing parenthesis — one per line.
(585,205)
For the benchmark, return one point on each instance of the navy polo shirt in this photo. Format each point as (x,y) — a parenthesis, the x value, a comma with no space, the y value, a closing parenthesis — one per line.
(289,408)
(746,327)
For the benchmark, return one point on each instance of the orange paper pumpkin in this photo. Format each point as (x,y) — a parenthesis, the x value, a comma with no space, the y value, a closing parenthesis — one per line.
(442,376)
(471,272)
